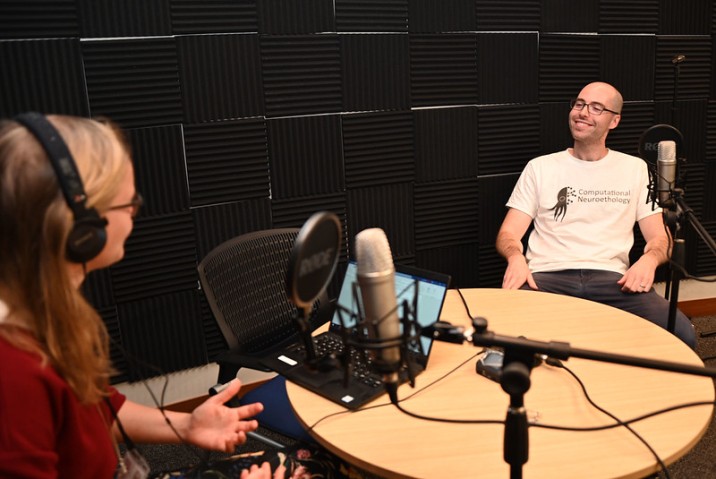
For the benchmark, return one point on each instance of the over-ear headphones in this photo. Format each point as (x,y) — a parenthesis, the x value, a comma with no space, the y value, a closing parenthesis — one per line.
(88,235)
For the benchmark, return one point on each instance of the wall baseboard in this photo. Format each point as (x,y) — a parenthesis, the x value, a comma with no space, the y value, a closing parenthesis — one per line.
(698,307)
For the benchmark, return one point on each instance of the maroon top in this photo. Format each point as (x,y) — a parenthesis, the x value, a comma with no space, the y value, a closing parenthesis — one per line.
(44,430)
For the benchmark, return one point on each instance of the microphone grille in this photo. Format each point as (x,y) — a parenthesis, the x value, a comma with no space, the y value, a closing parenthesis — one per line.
(373,251)
(667,149)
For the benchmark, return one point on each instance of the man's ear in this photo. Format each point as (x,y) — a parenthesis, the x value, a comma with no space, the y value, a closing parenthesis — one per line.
(615,121)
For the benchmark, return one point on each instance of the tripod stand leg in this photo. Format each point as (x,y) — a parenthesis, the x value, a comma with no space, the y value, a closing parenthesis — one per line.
(515,380)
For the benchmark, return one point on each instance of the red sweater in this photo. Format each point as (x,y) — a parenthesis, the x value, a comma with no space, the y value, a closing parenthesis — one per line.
(44,430)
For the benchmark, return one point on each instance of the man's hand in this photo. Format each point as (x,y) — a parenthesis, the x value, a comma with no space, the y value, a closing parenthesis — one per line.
(517,274)
(640,277)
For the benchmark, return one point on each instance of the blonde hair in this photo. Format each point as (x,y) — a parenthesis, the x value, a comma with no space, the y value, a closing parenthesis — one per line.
(35,282)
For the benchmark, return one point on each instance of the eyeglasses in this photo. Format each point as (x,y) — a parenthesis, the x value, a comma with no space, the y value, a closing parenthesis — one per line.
(135,204)
(594,108)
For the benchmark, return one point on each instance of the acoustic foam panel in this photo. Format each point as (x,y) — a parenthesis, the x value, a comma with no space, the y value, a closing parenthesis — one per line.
(491,267)
(460,261)
(637,117)
(446,213)
(133,82)
(305,156)
(376,72)
(215,224)
(160,258)
(494,191)
(509,136)
(371,15)
(677,17)
(710,139)
(116,350)
(213,339)
(507,67)
(162,334)
(227,161)
(629,16)
(378,148)
(693,179)
(38,19)
(202,16)
(52,82)
(445,143)
(97,288)
(220,77)
(436,16)
(301,74)
(627,62)
(701,261)
(159,169)
(443,69)
(707,190)
(388,207)
(693,74)
(554,126)
(516,15)
(570,16)
(567,63)
(290,17)
(128,18)
(294,212)
(689,118)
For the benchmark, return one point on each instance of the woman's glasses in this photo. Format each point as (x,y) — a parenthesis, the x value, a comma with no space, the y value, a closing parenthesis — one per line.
(135,204)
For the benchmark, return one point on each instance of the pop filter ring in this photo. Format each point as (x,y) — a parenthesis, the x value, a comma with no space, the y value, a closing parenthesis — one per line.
(649,142)
(313,262)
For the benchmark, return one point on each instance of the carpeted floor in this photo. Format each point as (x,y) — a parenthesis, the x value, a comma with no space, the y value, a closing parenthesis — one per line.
(699,463)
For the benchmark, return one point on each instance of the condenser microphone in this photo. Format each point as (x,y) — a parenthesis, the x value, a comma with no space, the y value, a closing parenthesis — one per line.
(376,278)
(666,171)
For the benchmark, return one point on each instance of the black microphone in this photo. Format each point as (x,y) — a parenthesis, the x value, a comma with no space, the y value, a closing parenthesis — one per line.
(666,171)
(376,278)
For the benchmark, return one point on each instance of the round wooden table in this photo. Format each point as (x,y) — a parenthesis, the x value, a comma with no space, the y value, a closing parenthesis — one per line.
(382,440)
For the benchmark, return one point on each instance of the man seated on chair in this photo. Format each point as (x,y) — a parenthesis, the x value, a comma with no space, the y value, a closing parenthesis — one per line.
(583,203)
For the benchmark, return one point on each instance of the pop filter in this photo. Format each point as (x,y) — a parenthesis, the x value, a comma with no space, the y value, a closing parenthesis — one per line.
(649,142)
(313,259)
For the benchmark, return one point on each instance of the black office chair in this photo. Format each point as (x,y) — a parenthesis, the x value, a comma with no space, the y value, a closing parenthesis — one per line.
(244,280)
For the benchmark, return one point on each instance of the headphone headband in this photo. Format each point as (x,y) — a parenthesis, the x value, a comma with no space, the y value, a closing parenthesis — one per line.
(88,235)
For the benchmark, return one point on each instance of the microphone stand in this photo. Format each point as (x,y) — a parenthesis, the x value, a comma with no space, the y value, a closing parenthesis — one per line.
(515,379)
(683,211)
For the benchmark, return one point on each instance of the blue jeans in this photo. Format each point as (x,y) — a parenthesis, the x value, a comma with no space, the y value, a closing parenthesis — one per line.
(601,286)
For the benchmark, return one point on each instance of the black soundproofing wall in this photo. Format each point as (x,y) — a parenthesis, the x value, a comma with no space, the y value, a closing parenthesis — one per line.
(415,116)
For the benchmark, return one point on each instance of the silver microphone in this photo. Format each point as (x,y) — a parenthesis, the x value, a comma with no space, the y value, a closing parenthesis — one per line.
(376,278)
(666,171)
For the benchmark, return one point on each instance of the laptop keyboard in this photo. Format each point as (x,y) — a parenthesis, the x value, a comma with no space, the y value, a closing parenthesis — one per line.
(360,369)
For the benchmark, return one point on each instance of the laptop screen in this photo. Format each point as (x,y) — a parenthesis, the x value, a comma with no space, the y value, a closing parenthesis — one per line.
(431,289)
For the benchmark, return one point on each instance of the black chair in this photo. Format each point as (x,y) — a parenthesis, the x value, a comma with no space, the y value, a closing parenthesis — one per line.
(244,280)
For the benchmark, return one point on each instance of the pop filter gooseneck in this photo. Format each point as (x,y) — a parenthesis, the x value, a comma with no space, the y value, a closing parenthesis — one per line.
(311,266)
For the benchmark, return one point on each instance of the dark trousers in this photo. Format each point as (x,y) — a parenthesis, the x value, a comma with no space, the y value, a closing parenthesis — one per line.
(601,286)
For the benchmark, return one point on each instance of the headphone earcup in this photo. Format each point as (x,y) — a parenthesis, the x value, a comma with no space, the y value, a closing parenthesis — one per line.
(86,239)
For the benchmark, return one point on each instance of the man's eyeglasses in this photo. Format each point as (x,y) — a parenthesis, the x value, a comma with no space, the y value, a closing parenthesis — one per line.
(594,108)
(135,204)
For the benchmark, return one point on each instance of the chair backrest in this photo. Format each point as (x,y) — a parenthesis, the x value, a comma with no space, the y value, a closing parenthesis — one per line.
(244,280)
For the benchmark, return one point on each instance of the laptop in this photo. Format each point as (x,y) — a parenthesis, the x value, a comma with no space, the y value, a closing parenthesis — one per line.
(356,385)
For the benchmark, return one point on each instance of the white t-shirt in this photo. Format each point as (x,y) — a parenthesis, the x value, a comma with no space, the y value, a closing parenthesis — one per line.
(583,211)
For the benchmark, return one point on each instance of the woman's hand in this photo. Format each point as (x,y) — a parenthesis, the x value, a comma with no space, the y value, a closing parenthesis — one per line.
(213,425)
